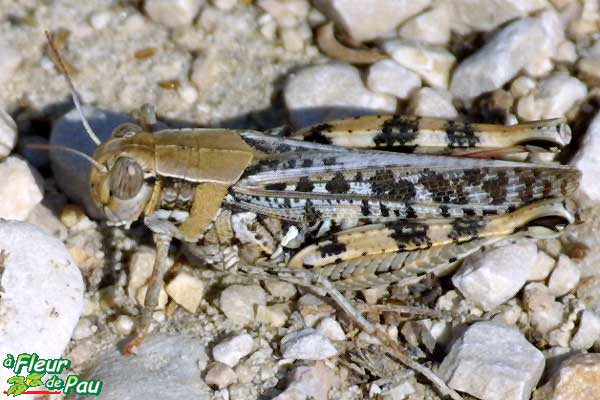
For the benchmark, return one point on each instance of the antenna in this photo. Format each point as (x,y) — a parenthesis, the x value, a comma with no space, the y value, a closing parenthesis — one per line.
(74,94)
(95,163)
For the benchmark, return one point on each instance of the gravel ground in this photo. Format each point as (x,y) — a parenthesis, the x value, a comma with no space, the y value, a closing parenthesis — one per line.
(519,320)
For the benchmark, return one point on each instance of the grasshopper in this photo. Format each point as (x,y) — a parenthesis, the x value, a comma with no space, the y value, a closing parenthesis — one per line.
(372,200)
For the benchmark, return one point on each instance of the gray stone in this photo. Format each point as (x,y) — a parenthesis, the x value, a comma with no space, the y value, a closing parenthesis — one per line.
(490,278)
(309,382)
(493,361)
(474,16)
(335,90)
(307,344)
(164,367)
(239,302)
(389,77)
(554,97)
(430,102)
(565,276)
(587,332)
(42,293)
(367,20)
(519,44)
(231,350)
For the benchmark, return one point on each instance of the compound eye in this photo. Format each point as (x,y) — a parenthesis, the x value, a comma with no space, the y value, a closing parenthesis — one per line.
(126,178)
(126,130)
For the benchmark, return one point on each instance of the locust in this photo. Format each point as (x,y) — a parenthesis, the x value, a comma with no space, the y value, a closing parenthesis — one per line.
(368,200)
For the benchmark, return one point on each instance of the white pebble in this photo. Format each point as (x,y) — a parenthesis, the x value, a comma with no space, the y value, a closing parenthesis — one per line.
(42,293)
(430,102)
(173,13)
(335,90)
(231,350)
(279,288)
(238,302)
(558,337)
(493,361)
(225,5)
(514,47)
(331,328)
(432,63)
(309,382)
(587,160)
(10,59)
(566,52)
(288,13)
(124,325)
(588,331)
(21,188)
(220,375)
(490,278)
(521,86)
(389,77)
(542,267)
(432,26)
(42,217)
(100,20)
(565,276)
(554,97)
(313,309)
(188,93)
(84,328)
(268,27)
(292,40)
(307,344)
(401,391)
(274,315)
(368,20)
(141,265)
(545,313)
(8,134)
(187,291)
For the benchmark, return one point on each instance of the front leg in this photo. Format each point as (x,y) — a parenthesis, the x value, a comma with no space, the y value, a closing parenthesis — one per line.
(161,265)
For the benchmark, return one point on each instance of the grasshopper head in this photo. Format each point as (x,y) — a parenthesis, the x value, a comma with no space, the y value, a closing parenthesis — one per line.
(123,187)
(122,179)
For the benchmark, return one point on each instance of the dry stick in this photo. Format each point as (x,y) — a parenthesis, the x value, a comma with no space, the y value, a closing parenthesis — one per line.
(329,45)
(416,311)
(324,286)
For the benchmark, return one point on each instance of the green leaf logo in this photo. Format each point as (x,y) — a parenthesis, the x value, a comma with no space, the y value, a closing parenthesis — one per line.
(20,384)
(17,389)
(34,379)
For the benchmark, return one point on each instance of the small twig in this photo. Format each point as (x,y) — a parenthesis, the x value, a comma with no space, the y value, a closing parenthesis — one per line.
(396,308)
(330,46)
(324,286)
